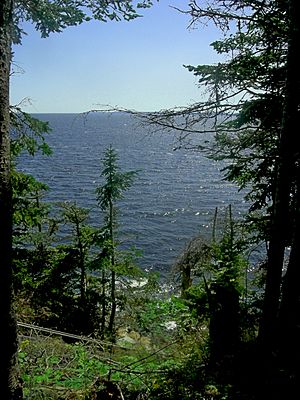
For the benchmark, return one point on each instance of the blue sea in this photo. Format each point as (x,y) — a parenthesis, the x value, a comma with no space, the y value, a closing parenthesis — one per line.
(173,197)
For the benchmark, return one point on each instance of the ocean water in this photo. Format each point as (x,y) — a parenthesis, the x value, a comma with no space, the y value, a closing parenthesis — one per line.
(172,199)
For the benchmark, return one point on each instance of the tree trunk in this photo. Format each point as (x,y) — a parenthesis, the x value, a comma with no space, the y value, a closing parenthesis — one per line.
(281,223)
(103,305)
(8,332)
(289,317)
(113,304)
(290,304)
(113,273)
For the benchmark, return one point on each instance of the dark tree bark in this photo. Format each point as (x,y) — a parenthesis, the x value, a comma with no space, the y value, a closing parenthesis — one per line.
(8,332)
(289,317)
(288,155)
(113,273)
(290,304)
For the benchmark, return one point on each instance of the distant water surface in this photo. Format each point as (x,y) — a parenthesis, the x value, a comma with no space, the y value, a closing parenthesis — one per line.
(172,199)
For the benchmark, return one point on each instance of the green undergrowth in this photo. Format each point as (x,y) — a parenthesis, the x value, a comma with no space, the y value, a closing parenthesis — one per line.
(163,350)
(53,369)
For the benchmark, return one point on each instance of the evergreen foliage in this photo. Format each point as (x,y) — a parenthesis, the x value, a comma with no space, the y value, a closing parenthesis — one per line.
(115,184)
(251,110)
(204,342)
(47,17)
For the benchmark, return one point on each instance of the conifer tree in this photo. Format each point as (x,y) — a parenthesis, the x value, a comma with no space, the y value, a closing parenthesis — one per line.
(47,17)
(116,182)
(250,107)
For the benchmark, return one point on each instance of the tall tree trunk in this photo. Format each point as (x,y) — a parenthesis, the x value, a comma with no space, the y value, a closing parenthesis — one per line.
(289,317)
(103,304)
(290,304)
(281,205)
(113,273)
(8,332)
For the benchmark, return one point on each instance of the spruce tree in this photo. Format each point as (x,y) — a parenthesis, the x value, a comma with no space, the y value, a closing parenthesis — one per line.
(116,182)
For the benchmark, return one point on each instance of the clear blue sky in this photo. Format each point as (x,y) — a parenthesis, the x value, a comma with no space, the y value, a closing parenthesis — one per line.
(136,64)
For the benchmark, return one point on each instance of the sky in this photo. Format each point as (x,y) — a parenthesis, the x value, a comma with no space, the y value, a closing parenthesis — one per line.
(135,65)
